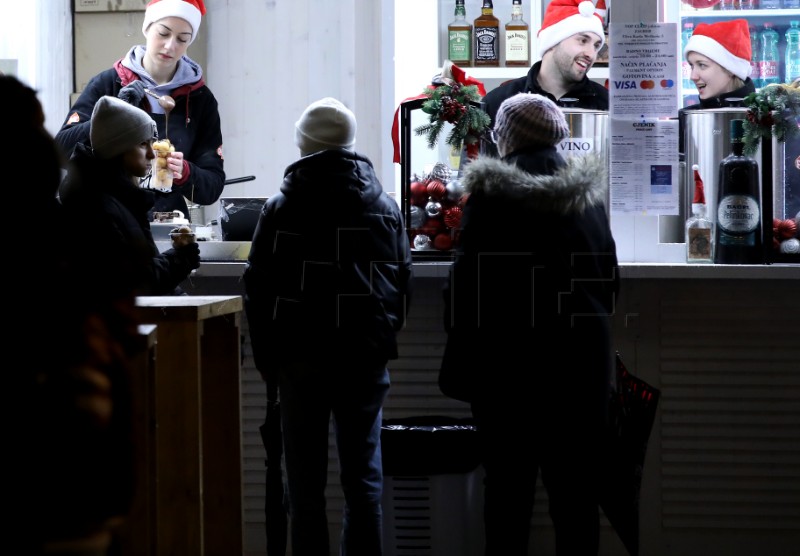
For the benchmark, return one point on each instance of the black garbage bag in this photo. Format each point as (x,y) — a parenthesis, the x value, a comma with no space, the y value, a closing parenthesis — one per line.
(632,412)
(429,445)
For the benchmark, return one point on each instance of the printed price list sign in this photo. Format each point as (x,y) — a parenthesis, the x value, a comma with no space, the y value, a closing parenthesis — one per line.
(643,70)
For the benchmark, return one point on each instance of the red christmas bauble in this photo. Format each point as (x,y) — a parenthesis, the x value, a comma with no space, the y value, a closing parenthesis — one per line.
(432,227)
(419,192)
(452,217)
(443,242)
(787,229)
(436,189)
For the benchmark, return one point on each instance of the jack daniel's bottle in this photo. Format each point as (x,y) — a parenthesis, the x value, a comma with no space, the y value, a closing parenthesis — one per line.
(737,239)
(487,37)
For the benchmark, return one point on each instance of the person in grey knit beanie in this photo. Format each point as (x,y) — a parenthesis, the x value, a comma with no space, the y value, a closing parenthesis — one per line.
(325,124)
(528,120)
(116,126)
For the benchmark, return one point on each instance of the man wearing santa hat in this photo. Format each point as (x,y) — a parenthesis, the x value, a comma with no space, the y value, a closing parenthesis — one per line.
(569,41)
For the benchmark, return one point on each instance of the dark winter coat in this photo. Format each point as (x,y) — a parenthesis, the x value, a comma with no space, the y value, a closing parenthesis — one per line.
(194,130)
(329,270)
(104,205)
(590,95)
(534,280)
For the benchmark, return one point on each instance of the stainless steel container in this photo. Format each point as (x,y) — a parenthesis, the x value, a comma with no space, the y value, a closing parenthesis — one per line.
(707,142)
(588,132)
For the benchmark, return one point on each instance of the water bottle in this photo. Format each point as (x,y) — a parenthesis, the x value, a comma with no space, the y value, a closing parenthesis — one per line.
(686,69)
(792,52)
(747,4)
(770,4)
(787,4)
(755,49)
(768,69)
(729,5)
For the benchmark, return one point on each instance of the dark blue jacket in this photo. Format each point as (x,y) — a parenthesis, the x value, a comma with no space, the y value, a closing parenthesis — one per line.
(329,270)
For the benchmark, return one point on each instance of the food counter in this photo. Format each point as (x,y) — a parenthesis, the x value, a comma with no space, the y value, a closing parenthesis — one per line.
(720,341)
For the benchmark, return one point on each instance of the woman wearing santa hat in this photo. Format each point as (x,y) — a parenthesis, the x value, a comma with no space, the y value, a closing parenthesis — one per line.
(162,66)
(719,55)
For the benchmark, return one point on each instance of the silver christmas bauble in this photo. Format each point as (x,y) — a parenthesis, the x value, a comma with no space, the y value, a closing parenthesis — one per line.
(433,208)
(421,241)
(441,172)
(790,246)
(454,190)
(417,216)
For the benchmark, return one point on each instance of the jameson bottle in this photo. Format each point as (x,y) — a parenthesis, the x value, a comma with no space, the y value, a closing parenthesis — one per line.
(459,38)
(487,37)
(518,44)
(737,238)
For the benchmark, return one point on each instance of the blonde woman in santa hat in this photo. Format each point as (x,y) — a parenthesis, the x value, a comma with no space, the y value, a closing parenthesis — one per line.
(534,280)
(162,66)
(569,40)
(719,55)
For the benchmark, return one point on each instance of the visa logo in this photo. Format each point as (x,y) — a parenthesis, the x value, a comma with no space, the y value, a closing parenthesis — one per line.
(625,85)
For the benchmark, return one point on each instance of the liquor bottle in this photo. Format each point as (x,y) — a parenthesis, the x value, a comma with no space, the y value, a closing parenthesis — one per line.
(686,68)
(518,44)
(792,52)
(699,230)
(755,57)
(768,69)
(737,237)
(487,36)
(459,37)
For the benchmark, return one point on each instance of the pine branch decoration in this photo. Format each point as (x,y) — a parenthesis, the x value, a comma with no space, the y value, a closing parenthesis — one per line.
(774,111)
(451,103)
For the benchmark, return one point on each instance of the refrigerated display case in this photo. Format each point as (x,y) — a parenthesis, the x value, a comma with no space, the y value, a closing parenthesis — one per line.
(709,11)
(779,161)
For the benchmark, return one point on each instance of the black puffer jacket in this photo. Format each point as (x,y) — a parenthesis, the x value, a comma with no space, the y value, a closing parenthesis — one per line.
(535,277)
(104,205)
(329,270)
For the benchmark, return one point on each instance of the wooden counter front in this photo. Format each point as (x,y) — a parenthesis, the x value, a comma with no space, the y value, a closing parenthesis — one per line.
(198,453)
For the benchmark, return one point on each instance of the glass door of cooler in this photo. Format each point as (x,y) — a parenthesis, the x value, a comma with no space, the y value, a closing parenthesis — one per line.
(760,14)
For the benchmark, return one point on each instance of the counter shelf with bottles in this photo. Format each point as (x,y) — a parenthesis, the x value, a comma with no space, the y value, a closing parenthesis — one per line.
(532,14)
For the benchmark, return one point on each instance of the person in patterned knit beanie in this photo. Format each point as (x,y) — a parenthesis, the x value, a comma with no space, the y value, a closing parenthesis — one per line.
(528,121)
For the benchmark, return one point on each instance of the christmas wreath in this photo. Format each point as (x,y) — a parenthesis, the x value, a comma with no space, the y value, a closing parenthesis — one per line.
(774,111)
(451,102)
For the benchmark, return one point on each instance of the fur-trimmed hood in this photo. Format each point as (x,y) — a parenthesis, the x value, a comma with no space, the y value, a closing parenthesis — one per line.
(581,184)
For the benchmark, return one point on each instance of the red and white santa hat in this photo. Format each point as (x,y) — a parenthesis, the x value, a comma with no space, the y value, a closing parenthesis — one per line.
(190,10)
(726,43)
(565,18)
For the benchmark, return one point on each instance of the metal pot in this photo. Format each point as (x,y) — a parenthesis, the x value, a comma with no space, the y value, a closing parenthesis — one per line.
(588,132)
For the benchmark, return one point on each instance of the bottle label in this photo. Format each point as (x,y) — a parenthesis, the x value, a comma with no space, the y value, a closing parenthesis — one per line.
(768,69)
(737,216)
(486,43)
(458,46)
(517,46)
(699,247)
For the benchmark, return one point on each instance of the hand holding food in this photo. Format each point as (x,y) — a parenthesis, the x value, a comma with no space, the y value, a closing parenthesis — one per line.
(181,236)
(162,175)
